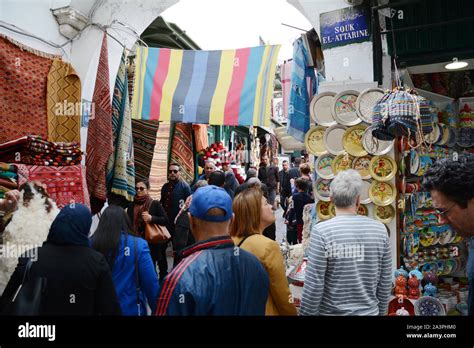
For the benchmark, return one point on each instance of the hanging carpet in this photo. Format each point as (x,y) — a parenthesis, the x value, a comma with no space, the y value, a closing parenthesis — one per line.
(159,164)
(182,151)
(144,141)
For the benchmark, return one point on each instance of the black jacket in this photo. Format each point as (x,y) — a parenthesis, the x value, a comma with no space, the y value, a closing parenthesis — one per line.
(158,215)
(78,281)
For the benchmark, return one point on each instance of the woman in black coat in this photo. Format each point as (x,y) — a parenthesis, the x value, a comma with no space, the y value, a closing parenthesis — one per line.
(147,210)
(78,279)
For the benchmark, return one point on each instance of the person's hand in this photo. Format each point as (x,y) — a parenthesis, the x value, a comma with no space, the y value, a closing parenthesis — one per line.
(146,217)
(10,202)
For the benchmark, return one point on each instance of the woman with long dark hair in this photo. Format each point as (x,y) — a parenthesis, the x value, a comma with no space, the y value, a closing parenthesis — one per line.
(146,210)
(128,256)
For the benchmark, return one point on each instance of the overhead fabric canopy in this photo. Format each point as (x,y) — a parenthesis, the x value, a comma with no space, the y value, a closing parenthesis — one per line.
(287,142)
(228,87)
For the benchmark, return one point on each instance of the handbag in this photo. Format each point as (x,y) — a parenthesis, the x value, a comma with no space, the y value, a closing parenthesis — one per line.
(155,234)
(28,297)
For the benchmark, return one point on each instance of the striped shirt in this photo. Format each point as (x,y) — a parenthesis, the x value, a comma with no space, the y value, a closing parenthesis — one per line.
(349,268)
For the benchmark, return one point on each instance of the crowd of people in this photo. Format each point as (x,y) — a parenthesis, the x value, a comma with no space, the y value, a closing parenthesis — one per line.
(225,257)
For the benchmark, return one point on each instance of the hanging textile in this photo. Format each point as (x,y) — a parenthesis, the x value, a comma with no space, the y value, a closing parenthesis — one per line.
(120,168)
(286,85)
(182,151)
(144,141)
(159,164)
(65,185)
(229,87)
(23,77)
(63,97)
(200,137)
(298,109)
(99,134)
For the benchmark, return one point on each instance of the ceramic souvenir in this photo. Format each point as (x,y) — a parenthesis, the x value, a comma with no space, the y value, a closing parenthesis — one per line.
(401,286)
(382,193)
(322,209)
(429,306)
(320,109)
(366,102)
(333,139)
(430,290)
(398,303)
(352,141)
(383,168)
(341,163)
(344,108)
(402,312)
(362,210)
(314,141)
(384,214)
(414,288)
(401,271)
(362,165)
(322,189)
(323,166)
(416,273)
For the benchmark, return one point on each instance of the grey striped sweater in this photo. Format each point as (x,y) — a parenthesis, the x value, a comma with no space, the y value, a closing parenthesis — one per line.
(349,268)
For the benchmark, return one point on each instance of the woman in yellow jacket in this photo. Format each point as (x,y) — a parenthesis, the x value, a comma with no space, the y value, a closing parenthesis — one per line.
(252,215)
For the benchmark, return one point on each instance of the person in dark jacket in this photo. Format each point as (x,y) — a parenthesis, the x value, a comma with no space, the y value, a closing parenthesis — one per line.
(78,278)
(129,260)
(231,182)
(268,175)
(300,199)
(285,186)
(173,197)
(214,278)
(146,210)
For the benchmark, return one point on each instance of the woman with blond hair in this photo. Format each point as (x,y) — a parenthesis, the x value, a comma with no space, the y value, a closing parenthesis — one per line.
(253,214)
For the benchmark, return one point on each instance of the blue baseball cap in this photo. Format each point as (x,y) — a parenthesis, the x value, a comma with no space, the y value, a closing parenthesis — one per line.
(209,197)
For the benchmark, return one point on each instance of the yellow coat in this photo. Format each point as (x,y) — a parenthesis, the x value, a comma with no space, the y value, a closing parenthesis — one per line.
(280,301)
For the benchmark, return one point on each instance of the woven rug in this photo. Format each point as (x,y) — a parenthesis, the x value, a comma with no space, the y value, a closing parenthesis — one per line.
(63,93)
(182,150)
(23,77)
(120,168)
(99,135)
(64,184)
(144,141)
(159,164)
(200,137)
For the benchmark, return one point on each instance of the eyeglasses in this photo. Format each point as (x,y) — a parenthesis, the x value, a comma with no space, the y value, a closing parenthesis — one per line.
(173,171)
(443,212)
(139,189)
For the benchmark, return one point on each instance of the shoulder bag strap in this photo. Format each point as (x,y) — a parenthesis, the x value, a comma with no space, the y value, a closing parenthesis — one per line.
(25,278)
(242,241)
(137,281)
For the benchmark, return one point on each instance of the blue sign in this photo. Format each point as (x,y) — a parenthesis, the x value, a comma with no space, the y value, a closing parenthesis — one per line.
(345,26)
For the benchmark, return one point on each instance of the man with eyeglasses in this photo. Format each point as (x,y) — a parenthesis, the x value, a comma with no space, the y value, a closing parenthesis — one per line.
(451,185)
(173,198)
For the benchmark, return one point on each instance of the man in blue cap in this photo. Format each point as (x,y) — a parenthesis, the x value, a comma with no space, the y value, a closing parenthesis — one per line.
(215,277)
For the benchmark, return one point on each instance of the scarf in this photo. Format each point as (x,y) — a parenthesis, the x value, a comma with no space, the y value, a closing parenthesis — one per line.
(141,204)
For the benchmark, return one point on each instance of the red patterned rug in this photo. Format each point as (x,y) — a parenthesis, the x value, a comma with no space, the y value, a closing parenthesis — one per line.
(64,184)
(23,78)
(182,150)
(99,135)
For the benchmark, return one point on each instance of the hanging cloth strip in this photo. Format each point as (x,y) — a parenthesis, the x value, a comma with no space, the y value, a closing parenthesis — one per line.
(121,168)
(159,164)
(63,95)
(99,135)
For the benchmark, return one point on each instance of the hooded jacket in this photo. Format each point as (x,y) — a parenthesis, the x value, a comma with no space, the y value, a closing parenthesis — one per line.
(78,278)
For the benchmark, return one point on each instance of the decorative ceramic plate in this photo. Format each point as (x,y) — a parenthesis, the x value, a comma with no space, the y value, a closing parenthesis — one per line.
(445,137)
(429,306)
(445,237)
(322,208)
(332,210)
(362,210)
(323,166)
(397,303)
(362,165)
(333,139)
(344,108)
(366,102)
(322,189)
(384,214)
(427,237)
(383,168)
(440,265)
(375,146)
(382,193)
(314,141)
(341,163)
(452,137)
(432,137)
(352,141)
(320,109)
(364,194)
